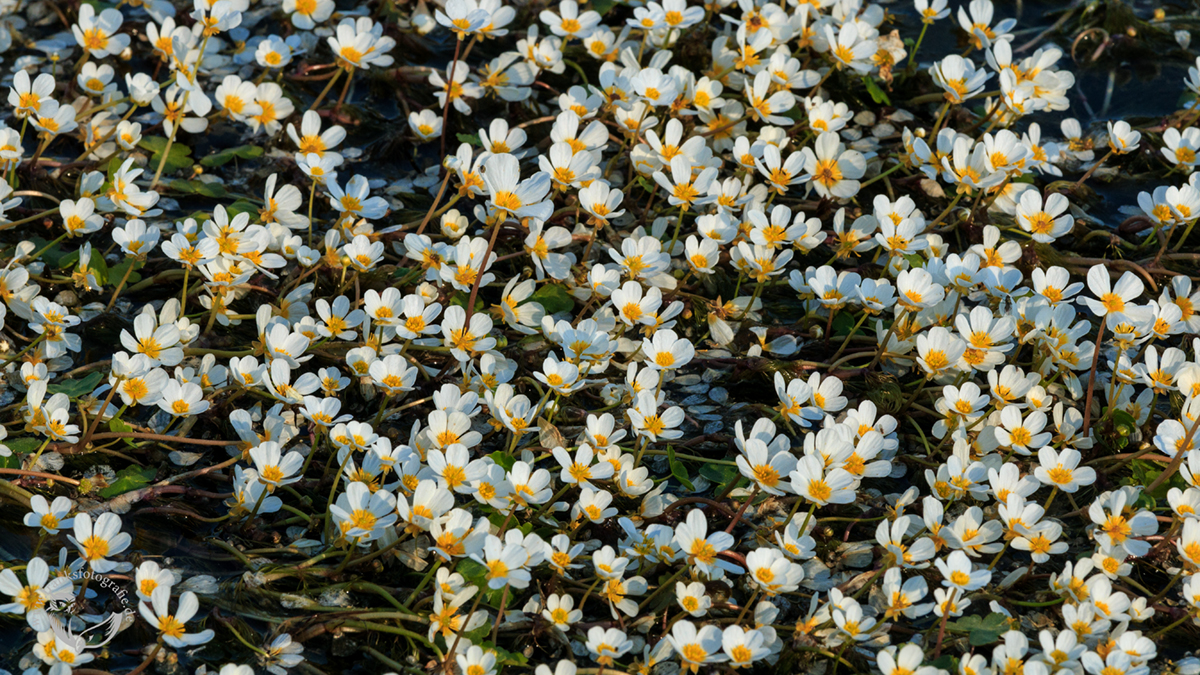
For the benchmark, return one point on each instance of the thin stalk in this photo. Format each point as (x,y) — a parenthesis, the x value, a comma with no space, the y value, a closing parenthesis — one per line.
(49,246)
(116,293)
(937,650)
(912,58)
(1164,631)
(940,118)
(678,227)
(1087,404)
(446,106)
(1092,170)
(328,86)
(38,455)
(846,341)
(345,90)
(12,171)
(945,213)
(312,193)
(21,353)
(881,175)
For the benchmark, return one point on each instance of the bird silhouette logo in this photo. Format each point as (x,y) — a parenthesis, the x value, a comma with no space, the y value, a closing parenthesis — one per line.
(63,600)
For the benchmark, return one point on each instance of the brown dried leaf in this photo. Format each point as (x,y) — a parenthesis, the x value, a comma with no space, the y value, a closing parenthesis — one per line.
(549,435)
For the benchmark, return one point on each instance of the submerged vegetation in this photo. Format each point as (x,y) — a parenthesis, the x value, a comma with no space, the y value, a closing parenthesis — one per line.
(625,337)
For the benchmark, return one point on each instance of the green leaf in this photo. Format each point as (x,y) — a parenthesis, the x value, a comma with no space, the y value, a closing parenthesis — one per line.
(23,446)
(945,662)
(99,267)
(553,298)
(720,474)
(678,470)
(76,388)
(198,187)
(119,426)
(151,143)
(503,459)
(476,575)
(459,299)
(505,657)
(241,206)
(878,95)
(1145,473)
(795,113)
(53,255)
(981,630)
(114,165)
(178,158)
(843,323)
(117,272)
(1123,423)
(99,6)
(130,478)
(603,6)
(227,155)
(471,139)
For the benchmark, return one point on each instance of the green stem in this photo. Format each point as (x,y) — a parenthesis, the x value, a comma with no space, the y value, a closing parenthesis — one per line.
(881,175)
(21,353)
(328,86)
(38,454)
(1159,633)
(183,296)
(116,293)
(47,247)
(846,341)
(912,58)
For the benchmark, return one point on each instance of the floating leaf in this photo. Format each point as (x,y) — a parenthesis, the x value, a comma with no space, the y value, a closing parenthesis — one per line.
(981,630)
(99,267)
(241,206)
(720,475)
(117,272)
(470,139)
(198,187)
(152,143)
(130,478)
(52,256)
(180,156)
(678,470)
(120,426)
(843,323)
(503,459)
(226,156)
(114,165)
(23,446)
(76,388)
(553,298)
(603,7)
(945,662)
